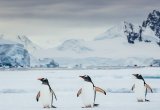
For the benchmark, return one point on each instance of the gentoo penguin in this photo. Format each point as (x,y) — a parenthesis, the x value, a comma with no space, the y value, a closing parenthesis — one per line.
(140,88)
(88,92)
(45,95)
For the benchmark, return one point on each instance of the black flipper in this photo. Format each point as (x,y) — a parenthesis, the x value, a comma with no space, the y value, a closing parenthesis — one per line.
(146,93)
(52,98)
(133,87)
(79,92)
(52,91)
(52,101)
(94,94)
(37,97)
(54,95)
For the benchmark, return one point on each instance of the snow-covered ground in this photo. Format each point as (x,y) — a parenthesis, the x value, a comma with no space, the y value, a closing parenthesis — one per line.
(18,89)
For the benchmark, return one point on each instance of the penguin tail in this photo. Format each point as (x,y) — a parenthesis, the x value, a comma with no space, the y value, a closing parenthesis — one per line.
(96,105)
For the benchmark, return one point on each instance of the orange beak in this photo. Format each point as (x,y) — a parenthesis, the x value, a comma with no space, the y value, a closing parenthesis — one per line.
(39,78)
(81,77)
(134,74)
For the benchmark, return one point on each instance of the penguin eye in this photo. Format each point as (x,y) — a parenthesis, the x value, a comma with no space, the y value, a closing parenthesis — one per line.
(87,76)
(45,78)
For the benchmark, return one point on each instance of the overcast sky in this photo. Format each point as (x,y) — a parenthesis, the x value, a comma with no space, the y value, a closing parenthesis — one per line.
(48,22)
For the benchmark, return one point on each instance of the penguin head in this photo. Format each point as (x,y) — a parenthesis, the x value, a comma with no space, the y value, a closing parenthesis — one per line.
(138,76)
(44,80)
(86,78)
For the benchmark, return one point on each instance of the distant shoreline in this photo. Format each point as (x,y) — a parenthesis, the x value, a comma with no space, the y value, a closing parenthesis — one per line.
(96,68)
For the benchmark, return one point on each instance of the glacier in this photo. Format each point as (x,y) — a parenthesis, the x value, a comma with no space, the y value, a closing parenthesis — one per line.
(14,55)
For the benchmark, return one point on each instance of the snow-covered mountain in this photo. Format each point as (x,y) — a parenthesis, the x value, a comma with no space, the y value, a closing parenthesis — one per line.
(113,32)
(28,44)
(152,24)
(124,44)
(122,41)
(75,45)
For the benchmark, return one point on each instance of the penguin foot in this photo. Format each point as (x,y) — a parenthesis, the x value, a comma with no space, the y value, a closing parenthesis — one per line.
(89,106)
(96,105)
(146,100)
(53,106)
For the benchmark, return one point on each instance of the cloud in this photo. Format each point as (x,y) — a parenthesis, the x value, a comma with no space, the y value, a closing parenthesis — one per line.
(57,15)
(74,12)
(72,9)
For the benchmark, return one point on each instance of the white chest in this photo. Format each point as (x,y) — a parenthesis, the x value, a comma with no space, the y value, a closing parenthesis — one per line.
(139,89)
(45,95)
(88,94)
